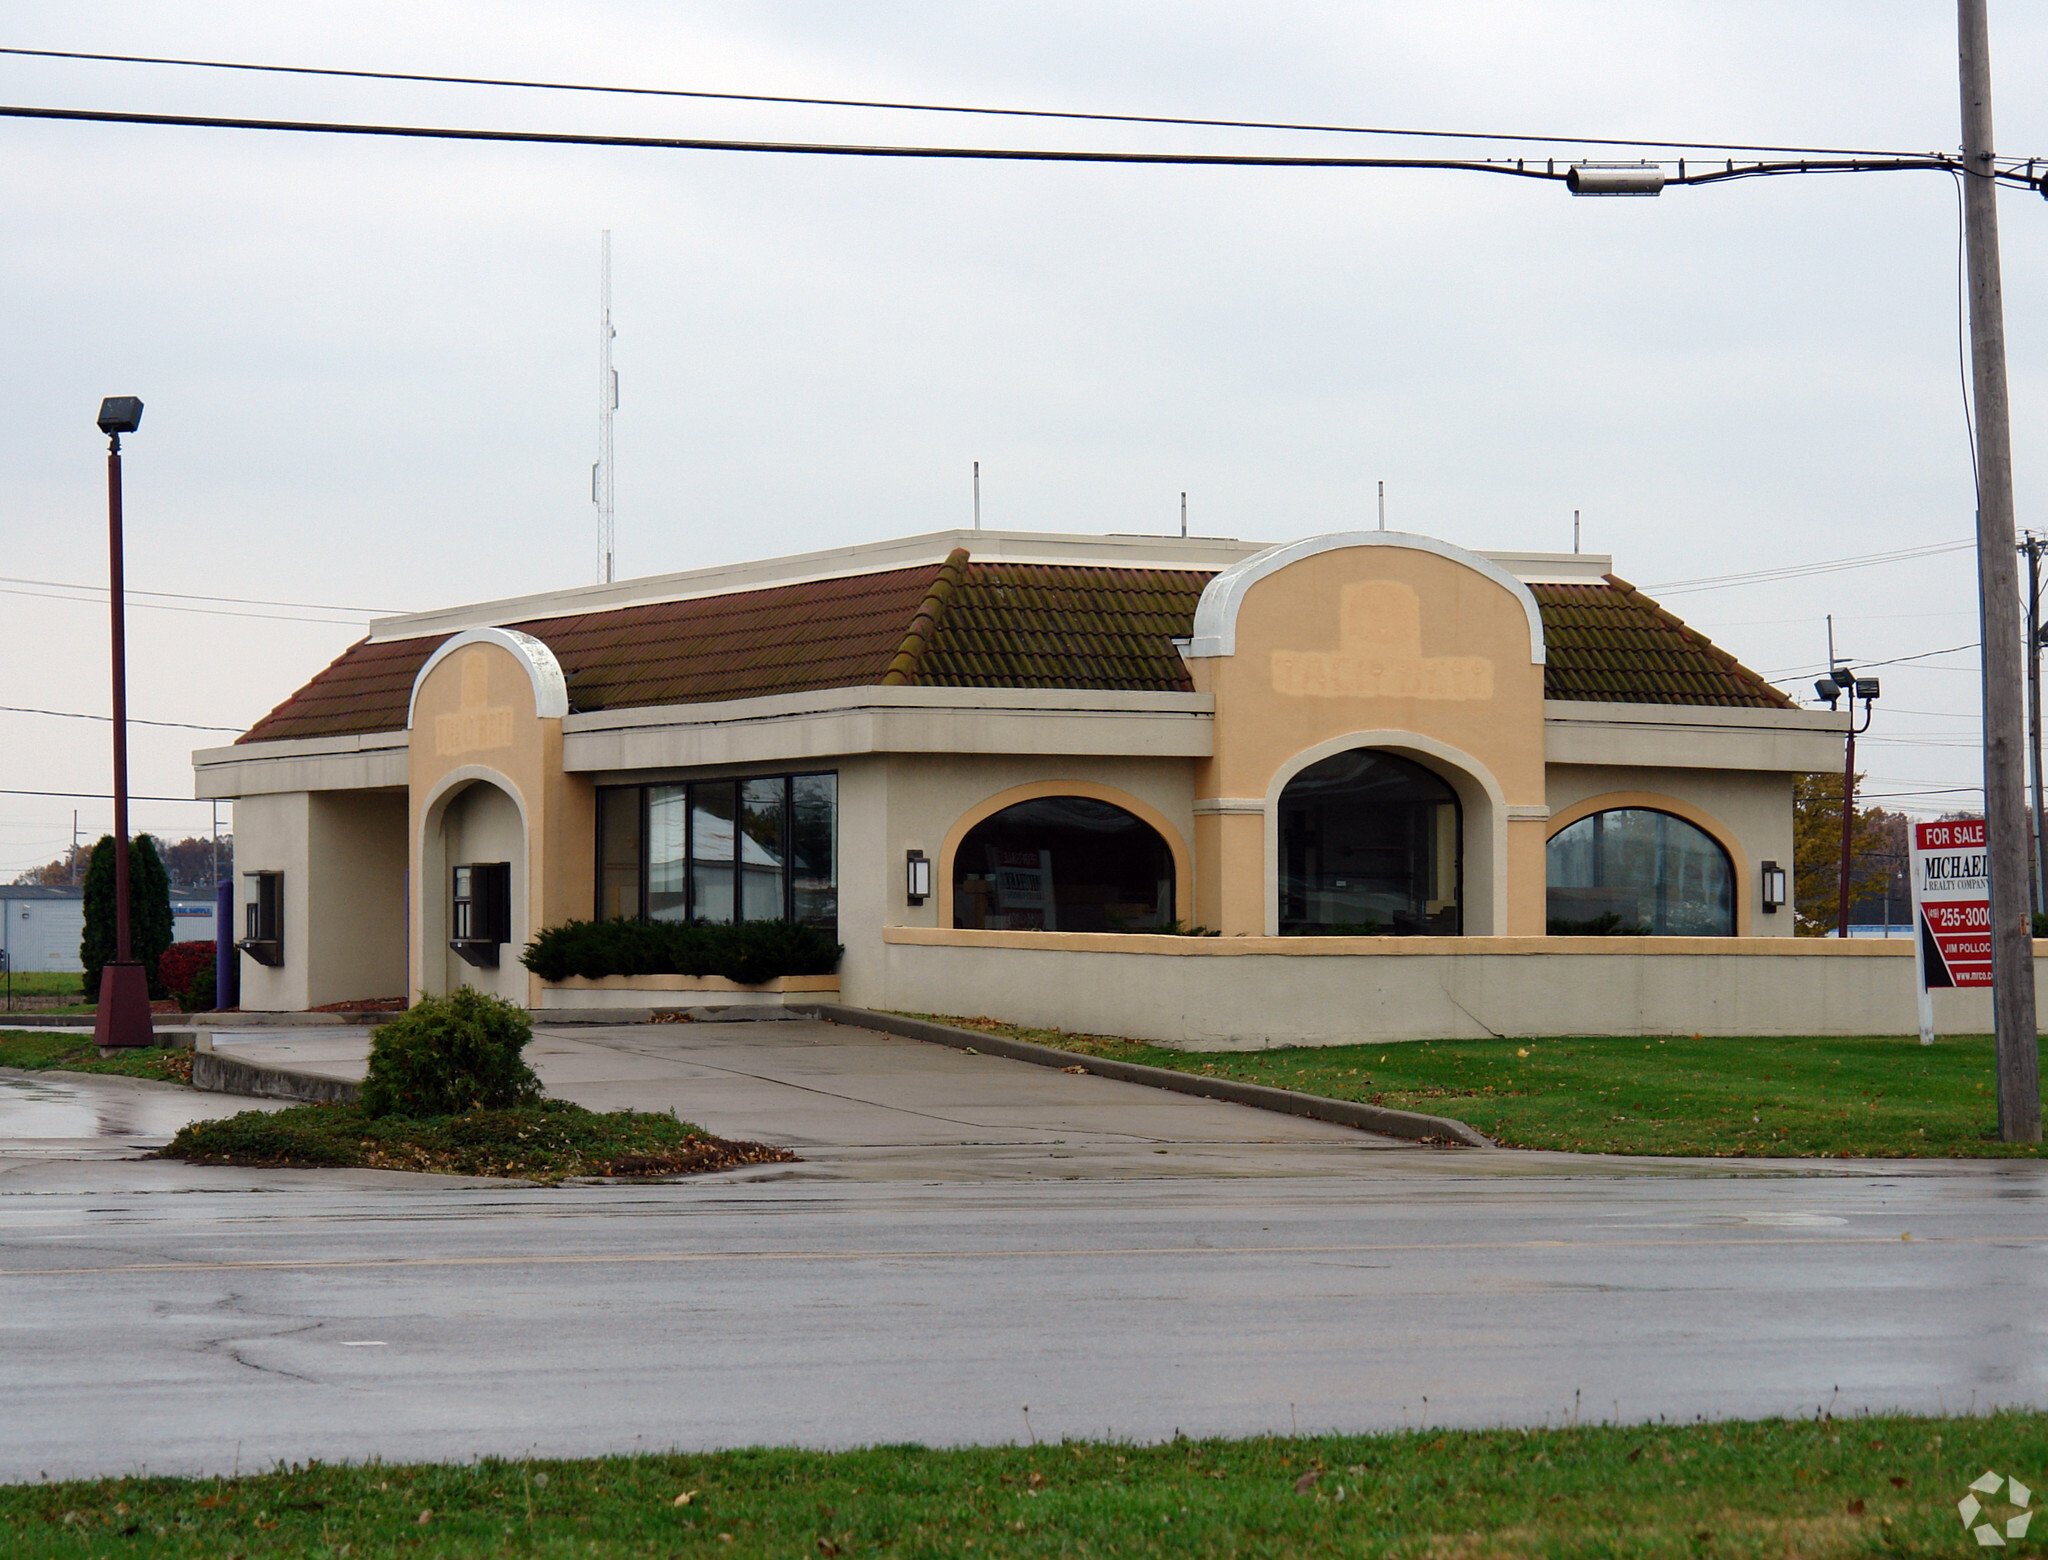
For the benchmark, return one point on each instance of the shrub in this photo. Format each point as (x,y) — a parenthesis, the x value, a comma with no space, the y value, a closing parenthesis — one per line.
(450,1054)
(750,953)
(1609,924)
(149,912)
(200,996)
(180,966)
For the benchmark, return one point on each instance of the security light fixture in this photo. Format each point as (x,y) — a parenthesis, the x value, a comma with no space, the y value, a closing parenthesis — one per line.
(917,877)
(1614,179)
(1828,689)
(1866,688)
(1772,878)
(1843,675)
(120,414)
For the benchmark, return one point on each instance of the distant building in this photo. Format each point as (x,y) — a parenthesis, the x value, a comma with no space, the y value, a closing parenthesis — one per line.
(41,928)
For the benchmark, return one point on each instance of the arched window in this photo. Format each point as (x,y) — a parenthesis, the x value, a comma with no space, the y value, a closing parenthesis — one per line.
(1635,872)
(1063,864)
(1369,846)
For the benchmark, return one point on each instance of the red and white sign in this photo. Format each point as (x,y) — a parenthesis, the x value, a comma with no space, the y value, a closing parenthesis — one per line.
(1952,903)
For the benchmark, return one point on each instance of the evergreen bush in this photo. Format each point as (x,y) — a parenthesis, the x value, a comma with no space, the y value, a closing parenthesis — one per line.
(446,1055)
(149,912)
(750,953)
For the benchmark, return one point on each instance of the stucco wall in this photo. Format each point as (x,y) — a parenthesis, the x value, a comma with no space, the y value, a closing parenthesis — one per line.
(272,834)
(1385,641)
(483,823)
(1234,994)
(355,916)
(1749,812)
(891,804)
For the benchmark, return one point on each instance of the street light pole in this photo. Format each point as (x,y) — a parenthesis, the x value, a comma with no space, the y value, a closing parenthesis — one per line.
(2005,799)
(122,1018)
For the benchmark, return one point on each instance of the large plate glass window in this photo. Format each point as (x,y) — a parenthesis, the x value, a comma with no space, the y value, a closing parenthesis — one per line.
(1636,872)
(1063,864)
(1370,846)
(718,851)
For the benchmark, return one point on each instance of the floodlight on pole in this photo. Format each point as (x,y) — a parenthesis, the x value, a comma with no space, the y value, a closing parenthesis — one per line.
(122,1015)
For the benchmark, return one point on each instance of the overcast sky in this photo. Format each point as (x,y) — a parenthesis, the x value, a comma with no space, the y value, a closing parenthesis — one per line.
(370,365)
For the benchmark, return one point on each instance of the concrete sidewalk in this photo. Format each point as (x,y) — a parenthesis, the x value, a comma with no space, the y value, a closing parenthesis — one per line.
(856,1103)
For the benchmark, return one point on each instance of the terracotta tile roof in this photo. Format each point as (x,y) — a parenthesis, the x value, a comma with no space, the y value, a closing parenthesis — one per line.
(834,633)
(961,624)
(1611,643)
(1023,625)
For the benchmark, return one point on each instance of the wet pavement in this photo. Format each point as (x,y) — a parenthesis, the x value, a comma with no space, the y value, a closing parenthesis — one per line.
(47,1115)
(965,1236)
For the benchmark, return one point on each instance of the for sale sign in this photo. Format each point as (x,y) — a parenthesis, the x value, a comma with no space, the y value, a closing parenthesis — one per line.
(1952,903)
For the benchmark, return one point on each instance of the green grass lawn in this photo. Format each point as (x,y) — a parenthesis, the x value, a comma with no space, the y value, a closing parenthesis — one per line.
(47,983)
(1865,1097)
(1863,1487)
(47,991)
(547,1141)
(37,1050)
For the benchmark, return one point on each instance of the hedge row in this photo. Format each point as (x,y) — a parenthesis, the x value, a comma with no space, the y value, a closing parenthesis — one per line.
(751,953)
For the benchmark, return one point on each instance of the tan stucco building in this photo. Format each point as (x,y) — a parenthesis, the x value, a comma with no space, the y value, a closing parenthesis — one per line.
(1357,736)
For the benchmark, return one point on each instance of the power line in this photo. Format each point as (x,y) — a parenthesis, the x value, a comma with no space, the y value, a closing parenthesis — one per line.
(947,108)
(133,720)
(184,595)
(108,796)
(1897,660)
(1519,168)
(1802,570)
(165,606)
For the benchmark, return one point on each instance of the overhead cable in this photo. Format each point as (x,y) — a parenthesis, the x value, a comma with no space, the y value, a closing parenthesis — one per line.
(184,595)
(947,108)
(1519,168)
(133,720)
(1793,571)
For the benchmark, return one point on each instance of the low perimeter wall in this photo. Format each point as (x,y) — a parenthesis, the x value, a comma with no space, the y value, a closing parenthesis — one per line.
(1244,993)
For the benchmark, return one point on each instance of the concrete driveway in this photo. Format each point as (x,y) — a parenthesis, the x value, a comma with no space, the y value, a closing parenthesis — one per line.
(856,1103)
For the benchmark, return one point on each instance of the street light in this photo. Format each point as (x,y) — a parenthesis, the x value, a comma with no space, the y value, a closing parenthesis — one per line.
(1840,683)
(122,1018)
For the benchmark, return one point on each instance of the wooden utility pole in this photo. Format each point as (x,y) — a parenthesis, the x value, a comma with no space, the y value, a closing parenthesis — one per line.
(2034,715)
(2005,796)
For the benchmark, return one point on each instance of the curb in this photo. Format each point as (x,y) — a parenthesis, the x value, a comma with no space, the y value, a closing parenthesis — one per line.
(1409,1124)
(213,1073)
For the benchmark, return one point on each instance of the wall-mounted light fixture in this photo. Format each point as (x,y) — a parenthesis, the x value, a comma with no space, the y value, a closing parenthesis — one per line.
(917,877)
(1773,877)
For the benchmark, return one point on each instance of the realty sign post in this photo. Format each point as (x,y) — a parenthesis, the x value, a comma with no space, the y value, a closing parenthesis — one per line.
(1951,910)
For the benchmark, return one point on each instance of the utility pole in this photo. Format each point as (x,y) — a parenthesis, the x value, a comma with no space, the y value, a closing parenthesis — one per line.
(2005,796)
(977,495)
(2034,711)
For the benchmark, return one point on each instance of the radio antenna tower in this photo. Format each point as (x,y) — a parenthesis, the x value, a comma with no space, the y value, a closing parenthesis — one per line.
(607,404)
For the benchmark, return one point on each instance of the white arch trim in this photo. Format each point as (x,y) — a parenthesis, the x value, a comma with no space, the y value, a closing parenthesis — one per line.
(550,687)
(1216,612)
(1480,795)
